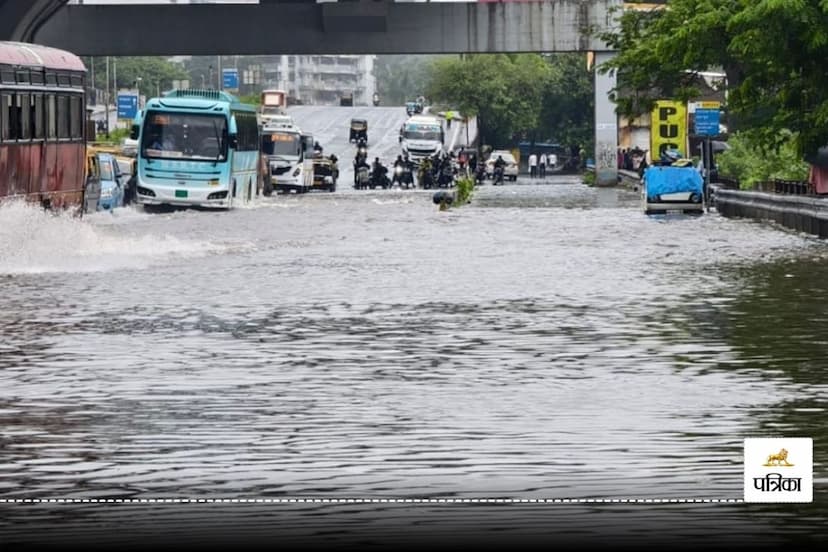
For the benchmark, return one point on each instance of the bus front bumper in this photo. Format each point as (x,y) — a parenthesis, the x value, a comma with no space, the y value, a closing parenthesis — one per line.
(179,197)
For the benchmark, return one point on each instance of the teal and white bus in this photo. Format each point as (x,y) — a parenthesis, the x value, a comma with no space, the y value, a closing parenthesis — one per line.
(197,148)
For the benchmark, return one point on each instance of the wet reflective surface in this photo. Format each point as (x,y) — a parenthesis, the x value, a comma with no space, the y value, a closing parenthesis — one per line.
(546,341)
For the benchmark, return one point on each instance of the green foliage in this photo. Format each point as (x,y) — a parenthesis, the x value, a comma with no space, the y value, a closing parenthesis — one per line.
(568,115)
(519,96)
(504,91)
(772,51)
(115,136)
(464,187)
(155,73)
(251,99)
(750,163)
(588,178)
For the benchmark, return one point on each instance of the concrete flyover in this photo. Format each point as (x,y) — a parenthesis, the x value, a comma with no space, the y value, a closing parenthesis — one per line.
(307,27)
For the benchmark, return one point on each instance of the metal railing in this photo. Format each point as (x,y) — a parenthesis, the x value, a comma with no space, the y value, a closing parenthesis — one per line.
(773,186)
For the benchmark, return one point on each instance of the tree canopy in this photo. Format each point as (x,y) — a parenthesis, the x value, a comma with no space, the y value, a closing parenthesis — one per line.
(772,52)
(154,73)
(518,95)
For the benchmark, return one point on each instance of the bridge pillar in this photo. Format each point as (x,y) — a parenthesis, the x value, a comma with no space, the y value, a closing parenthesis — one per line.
(606,125)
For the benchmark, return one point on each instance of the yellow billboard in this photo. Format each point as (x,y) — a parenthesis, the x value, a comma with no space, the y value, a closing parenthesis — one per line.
(669,128)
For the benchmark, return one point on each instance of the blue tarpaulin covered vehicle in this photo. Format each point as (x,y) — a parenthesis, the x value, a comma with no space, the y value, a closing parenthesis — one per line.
(673,189)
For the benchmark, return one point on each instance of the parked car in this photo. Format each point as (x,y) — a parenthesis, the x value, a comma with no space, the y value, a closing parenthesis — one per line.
(511,169)
(112,183)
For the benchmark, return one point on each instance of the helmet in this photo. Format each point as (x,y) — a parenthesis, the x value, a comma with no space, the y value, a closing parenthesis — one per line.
(671,156)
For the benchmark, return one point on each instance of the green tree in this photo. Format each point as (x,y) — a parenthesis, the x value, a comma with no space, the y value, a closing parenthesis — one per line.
(772,52)
(505,92)
(155,73)
(568,114)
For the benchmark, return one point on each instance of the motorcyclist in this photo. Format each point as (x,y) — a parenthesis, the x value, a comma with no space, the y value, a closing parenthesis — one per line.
(480,173)
(317,149)
(499,166)
(426,174)
(359,162)
(446,174)
(398,174)
(378,174)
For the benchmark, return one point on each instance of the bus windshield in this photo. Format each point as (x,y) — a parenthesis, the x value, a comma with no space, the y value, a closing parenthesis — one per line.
(421,132)
(185,136)
(287,144)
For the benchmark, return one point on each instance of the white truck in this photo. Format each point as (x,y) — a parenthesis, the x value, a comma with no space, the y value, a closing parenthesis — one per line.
(422,136)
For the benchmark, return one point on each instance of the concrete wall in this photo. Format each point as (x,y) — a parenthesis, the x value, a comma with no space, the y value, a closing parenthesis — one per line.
(804,214)
(310,28)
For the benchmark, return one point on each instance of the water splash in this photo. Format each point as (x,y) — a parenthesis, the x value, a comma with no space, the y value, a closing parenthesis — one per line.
(36,241)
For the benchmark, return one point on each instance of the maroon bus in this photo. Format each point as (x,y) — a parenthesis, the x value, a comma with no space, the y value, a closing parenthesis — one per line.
(42,114)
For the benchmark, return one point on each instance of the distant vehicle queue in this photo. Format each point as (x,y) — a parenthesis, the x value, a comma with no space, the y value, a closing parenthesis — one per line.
(191,147)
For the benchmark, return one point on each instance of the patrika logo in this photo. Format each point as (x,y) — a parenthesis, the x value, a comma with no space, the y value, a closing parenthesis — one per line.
(776,477)
(780,459)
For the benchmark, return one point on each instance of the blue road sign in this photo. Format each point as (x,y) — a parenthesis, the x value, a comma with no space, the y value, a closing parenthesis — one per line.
(127,106)
(707,122)
(230,79)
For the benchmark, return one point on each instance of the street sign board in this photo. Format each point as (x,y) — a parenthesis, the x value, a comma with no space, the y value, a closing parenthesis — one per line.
(127,104)
(230,79)
(707,121)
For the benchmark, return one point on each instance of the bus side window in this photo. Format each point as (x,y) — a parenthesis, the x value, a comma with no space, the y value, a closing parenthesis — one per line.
(51,117)
(38,117)
(5,101)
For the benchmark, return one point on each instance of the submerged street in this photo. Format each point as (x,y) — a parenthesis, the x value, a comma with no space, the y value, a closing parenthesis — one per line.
(547,341)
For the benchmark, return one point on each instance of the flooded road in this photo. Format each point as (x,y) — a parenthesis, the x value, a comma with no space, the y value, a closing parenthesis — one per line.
(547,341)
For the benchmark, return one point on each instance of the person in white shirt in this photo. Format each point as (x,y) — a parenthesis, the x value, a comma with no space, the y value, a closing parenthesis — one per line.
(551,160)
(533,165)
(542,165)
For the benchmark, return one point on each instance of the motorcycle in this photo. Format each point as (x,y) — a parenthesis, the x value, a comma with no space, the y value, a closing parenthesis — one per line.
(498,176)
(446,178)
(426,176)
(379,178)
(403,176)
(361,177)
(480,175)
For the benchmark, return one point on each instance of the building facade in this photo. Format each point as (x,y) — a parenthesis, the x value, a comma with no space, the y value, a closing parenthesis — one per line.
(321,80)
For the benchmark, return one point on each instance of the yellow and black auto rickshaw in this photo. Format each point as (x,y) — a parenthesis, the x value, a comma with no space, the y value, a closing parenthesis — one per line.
(359,129)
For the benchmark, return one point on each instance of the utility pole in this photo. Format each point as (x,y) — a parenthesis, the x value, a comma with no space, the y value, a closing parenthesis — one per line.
(115,84)
(92,72)
(106,97)
(220,75)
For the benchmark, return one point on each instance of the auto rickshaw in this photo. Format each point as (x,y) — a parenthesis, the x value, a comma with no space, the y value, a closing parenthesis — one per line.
(325,173)
(359,129)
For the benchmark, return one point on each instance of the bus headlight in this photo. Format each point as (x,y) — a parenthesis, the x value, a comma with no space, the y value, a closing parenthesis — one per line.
(297,171)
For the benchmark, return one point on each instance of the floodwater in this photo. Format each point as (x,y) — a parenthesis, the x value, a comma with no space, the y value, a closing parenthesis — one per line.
(547,341)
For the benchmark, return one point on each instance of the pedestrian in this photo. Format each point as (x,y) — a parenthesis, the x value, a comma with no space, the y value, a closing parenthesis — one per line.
(533,165)
(542,165)
(449,117)
(628,162)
